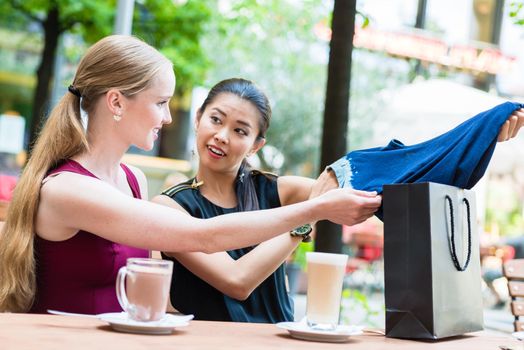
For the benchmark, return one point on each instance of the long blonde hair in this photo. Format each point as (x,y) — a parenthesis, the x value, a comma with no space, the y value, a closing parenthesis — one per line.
(120,62)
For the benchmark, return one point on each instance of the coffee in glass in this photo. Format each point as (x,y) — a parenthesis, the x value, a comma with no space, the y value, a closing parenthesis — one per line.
(324,289)
(142,288)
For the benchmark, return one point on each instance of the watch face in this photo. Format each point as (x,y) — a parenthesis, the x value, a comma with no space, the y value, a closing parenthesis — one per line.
(303,230)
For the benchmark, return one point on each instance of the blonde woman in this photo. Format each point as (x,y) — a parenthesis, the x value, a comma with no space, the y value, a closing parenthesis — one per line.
(76,214)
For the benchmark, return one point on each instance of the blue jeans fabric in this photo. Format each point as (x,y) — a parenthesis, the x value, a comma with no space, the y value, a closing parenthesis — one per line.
(458,157)
(342,170)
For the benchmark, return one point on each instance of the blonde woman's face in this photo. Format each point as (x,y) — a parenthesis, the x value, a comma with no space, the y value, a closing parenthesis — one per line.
(146,112)
(227,132)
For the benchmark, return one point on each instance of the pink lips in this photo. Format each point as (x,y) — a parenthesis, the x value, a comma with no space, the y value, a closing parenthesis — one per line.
(215,152)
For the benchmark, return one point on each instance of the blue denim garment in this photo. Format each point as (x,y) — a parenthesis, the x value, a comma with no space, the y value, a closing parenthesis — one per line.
(458,157)
(342,170)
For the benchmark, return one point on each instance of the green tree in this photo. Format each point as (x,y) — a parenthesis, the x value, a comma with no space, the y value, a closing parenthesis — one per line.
(174,29)
(516,12)
(177,31)
(55,18)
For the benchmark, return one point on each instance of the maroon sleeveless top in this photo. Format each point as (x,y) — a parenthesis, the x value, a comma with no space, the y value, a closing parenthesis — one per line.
(79,274)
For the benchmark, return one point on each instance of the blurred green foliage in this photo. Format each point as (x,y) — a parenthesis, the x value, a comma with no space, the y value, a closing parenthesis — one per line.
(509,223)
(355,308)
(176,30)
(515,8)
(173,28)
(280,45)
(299,254)
(274,44)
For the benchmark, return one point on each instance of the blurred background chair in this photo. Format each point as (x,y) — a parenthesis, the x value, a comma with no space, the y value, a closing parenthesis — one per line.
(492,257)
(514,272)
(364,243)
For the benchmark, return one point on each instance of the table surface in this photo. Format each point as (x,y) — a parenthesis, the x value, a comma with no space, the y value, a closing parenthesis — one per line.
(27,331)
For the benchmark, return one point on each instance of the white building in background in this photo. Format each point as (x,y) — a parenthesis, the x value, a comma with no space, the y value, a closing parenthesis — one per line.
(455,23)
(425,109)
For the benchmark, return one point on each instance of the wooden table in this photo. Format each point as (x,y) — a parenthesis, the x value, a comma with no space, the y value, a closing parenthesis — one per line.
(25,331)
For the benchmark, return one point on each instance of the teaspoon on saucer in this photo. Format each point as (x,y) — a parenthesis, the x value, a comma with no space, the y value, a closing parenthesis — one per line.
(63,313)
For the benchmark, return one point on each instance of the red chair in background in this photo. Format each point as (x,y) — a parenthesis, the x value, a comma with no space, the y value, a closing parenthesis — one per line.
(365,267)
(7,186)
(366,240)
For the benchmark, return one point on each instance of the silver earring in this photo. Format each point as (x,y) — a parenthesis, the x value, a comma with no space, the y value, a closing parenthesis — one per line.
(117,117)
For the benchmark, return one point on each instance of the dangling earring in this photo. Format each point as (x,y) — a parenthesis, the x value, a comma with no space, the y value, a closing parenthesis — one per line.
(117,117)
(241,178)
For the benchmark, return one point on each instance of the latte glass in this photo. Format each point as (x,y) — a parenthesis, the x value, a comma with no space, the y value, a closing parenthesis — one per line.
(142,288)
(324,289)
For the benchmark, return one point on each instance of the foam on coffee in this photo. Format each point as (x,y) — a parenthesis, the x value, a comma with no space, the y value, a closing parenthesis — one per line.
(327,258)
(148,269)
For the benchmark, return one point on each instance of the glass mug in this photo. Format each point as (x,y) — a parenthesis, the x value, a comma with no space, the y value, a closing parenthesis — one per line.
(325,276)
(142,288)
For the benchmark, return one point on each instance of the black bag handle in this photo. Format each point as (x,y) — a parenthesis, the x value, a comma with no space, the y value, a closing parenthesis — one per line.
(453,250)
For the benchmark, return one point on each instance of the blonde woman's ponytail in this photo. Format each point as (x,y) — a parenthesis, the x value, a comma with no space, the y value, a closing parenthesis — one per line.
(61,138)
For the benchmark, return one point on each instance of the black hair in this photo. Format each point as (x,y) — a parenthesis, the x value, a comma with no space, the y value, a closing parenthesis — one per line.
(246,90)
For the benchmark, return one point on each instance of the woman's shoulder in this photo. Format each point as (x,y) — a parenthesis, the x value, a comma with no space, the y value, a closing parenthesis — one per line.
(264,181)
(263,176)
(187,196)
(181,188)
(137,172)
(266,187)
(140,178)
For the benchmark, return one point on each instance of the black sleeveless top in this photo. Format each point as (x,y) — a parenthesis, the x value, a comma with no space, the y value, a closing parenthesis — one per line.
(268,303)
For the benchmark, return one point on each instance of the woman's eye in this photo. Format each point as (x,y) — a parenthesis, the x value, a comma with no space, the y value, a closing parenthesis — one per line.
(214,119)
(242,132)
(161,103)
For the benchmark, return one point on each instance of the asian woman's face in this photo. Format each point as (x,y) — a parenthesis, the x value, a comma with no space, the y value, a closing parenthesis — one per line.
(227,132)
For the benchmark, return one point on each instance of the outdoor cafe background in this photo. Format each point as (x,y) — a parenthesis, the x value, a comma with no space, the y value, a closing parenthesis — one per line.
(470,58)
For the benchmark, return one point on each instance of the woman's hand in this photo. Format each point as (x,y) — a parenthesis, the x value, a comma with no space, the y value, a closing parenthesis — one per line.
(512,126)
(358,205)
(349,207)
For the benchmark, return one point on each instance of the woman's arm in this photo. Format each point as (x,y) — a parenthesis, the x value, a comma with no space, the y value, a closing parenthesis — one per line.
(238,278)
(235,278)
(294,189)
(70,202)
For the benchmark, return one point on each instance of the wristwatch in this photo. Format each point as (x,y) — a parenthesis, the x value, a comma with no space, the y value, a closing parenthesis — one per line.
(303,231)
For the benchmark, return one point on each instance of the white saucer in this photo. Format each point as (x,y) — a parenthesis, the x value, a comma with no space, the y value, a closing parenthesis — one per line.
(518,335)
(121,322)
(300,330)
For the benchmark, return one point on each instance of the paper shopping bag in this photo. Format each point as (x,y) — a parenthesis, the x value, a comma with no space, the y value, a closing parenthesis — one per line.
(432,272)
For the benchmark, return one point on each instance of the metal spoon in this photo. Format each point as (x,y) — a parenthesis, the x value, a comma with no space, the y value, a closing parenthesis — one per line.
(63,313)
